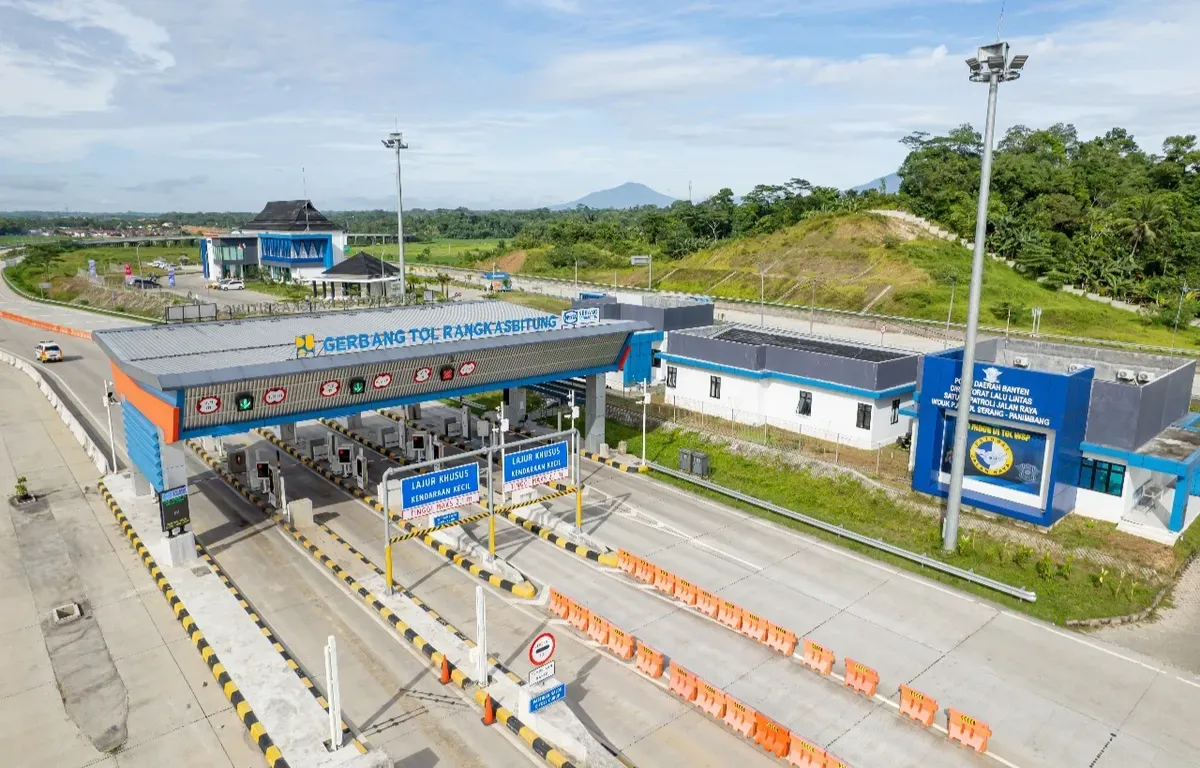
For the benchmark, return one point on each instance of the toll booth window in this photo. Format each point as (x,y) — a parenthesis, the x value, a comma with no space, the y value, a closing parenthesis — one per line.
(804,405)
(895,411)
(714,387)
(863,419)
(1102,476)
(672,376)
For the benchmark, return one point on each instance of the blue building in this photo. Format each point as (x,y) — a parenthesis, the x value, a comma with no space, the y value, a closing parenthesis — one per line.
(1057,429)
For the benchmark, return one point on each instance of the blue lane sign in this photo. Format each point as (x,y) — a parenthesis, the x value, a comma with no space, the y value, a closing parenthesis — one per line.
(546,698)
(533,466)
(573,318)
(438,491)
(446,519)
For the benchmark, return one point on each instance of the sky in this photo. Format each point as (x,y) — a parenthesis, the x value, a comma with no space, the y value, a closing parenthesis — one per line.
(150,105)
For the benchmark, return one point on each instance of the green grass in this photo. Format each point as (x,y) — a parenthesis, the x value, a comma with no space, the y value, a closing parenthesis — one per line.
(21,239)
(447,252)
(1065,591)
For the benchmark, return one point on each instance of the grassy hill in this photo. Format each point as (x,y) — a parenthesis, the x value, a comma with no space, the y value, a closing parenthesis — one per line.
(855,261)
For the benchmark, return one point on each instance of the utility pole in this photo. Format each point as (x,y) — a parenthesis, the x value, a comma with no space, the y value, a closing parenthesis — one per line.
(1179,312)
(395,140)
(949,312)
(109,402)
(992,66)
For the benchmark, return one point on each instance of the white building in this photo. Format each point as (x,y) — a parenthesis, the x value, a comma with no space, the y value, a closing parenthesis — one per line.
(289,241)
(835,391)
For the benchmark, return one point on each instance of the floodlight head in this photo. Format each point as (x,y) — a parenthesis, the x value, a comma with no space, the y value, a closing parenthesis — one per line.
(1018,61)
(973,63)
(996,63)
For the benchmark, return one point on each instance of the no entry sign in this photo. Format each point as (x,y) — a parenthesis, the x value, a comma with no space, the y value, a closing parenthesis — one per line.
(541,649)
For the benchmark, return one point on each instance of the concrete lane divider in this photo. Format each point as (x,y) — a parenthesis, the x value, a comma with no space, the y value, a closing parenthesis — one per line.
(451,673)
(634,468)
(257,732)
(524,588)
(358,742)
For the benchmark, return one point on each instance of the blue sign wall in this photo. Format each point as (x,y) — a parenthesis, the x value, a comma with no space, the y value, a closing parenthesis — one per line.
(1021,414)
(439,491)
(533,466)
(543,700)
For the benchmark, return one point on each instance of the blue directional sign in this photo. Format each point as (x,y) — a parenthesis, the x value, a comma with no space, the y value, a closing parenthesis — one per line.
(533,466)
(446,519)
(438,491)
(548,697)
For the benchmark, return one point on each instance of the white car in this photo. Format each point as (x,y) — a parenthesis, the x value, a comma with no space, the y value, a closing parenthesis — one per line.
(231,285)
(48,352)
(159,264)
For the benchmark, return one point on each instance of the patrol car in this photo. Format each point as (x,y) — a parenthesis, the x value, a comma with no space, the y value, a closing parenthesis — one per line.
(48,352)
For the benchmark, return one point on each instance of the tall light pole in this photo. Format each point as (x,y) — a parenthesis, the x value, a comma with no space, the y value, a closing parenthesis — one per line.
(762,296)
(992,66)
(395,140)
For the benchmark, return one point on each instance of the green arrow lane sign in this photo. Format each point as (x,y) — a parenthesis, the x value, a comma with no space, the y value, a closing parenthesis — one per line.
(244,402)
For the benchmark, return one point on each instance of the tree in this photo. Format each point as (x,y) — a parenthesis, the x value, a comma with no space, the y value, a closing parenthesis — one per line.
(1143,219)
(444,281)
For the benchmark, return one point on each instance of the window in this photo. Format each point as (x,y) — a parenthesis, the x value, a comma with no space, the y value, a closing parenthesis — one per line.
(714,387)
(863,420)
(804,407)
(895,411)
(672,376)
(1102,476)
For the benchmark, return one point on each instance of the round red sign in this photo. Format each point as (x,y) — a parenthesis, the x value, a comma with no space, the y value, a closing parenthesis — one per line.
(467,368)
(422,375)
(275,396)
(331,388)
(541,649)
(382,380)
(208,404)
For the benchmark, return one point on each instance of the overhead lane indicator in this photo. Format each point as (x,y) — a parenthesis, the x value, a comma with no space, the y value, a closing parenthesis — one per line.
(439,491)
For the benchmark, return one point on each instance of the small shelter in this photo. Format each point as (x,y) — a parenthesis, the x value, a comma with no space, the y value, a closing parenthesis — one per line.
(359,275)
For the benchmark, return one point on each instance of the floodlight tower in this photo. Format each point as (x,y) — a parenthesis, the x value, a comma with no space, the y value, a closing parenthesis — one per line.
(395,140)
(993,66)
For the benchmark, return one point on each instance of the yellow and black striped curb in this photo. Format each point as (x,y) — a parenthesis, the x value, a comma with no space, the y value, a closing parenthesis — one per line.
(275,643)
(524,589)
(258,733)
(418,602)
(539,746)
(614,463)
(391,454)
(462,521)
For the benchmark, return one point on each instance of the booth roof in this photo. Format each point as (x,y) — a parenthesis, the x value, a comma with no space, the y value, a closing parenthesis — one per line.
(290,216)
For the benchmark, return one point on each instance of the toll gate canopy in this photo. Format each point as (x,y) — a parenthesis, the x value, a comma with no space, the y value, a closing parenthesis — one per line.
(186,381)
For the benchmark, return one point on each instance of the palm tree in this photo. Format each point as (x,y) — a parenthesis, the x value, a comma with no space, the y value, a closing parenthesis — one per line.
(1146,216)
(444,281)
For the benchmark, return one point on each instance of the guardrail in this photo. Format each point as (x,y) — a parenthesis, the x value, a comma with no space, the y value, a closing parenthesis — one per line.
(937,565)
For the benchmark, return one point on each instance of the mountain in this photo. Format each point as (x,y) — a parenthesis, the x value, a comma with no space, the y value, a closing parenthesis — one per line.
(892,180)
(628,195)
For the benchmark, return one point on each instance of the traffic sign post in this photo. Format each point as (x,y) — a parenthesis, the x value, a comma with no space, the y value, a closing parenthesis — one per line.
(537,465)
(541,649)
(431,492)
(541,674)
(547,697)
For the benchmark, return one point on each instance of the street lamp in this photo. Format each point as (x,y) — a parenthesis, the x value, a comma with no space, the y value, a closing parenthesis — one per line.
(762,296)
(395,140)
(993,66)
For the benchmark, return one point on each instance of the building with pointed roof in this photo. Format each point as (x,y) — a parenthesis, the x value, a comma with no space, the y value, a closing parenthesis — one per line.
(288,241)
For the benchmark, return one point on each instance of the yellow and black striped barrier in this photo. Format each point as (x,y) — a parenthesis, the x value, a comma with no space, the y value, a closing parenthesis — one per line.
(443,526)
(524,589)
(604,558)
(258,733)
(614,463)
(275,643)
(419,603)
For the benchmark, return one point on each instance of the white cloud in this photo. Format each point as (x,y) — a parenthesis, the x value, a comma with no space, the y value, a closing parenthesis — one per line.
(144,37)
(31,87)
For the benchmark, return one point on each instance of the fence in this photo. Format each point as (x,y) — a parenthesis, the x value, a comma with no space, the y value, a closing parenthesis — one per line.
(888,463)
(191,313)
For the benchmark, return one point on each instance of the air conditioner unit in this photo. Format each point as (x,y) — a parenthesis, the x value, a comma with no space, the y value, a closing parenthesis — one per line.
(1144,377)
(1020,362)
(1124,375)
(1073,367)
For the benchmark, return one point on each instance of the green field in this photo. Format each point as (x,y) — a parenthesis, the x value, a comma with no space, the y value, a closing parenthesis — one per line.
(448,252)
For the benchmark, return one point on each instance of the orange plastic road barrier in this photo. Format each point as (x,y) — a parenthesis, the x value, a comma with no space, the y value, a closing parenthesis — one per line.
(620,643)
(740,718)
(707,603)
(579,617)
(917,705)
(664,581)
(818,657)
(649,661)
(754,626)
(806,754)
(646,571)
(685,591)
(683,683)
(780,639)
(729,614)
(598,628)
(710,700)
(833,761)
(46,326)
(772,736)
(861,678)
(967,730)
(626,561)
(559,604)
